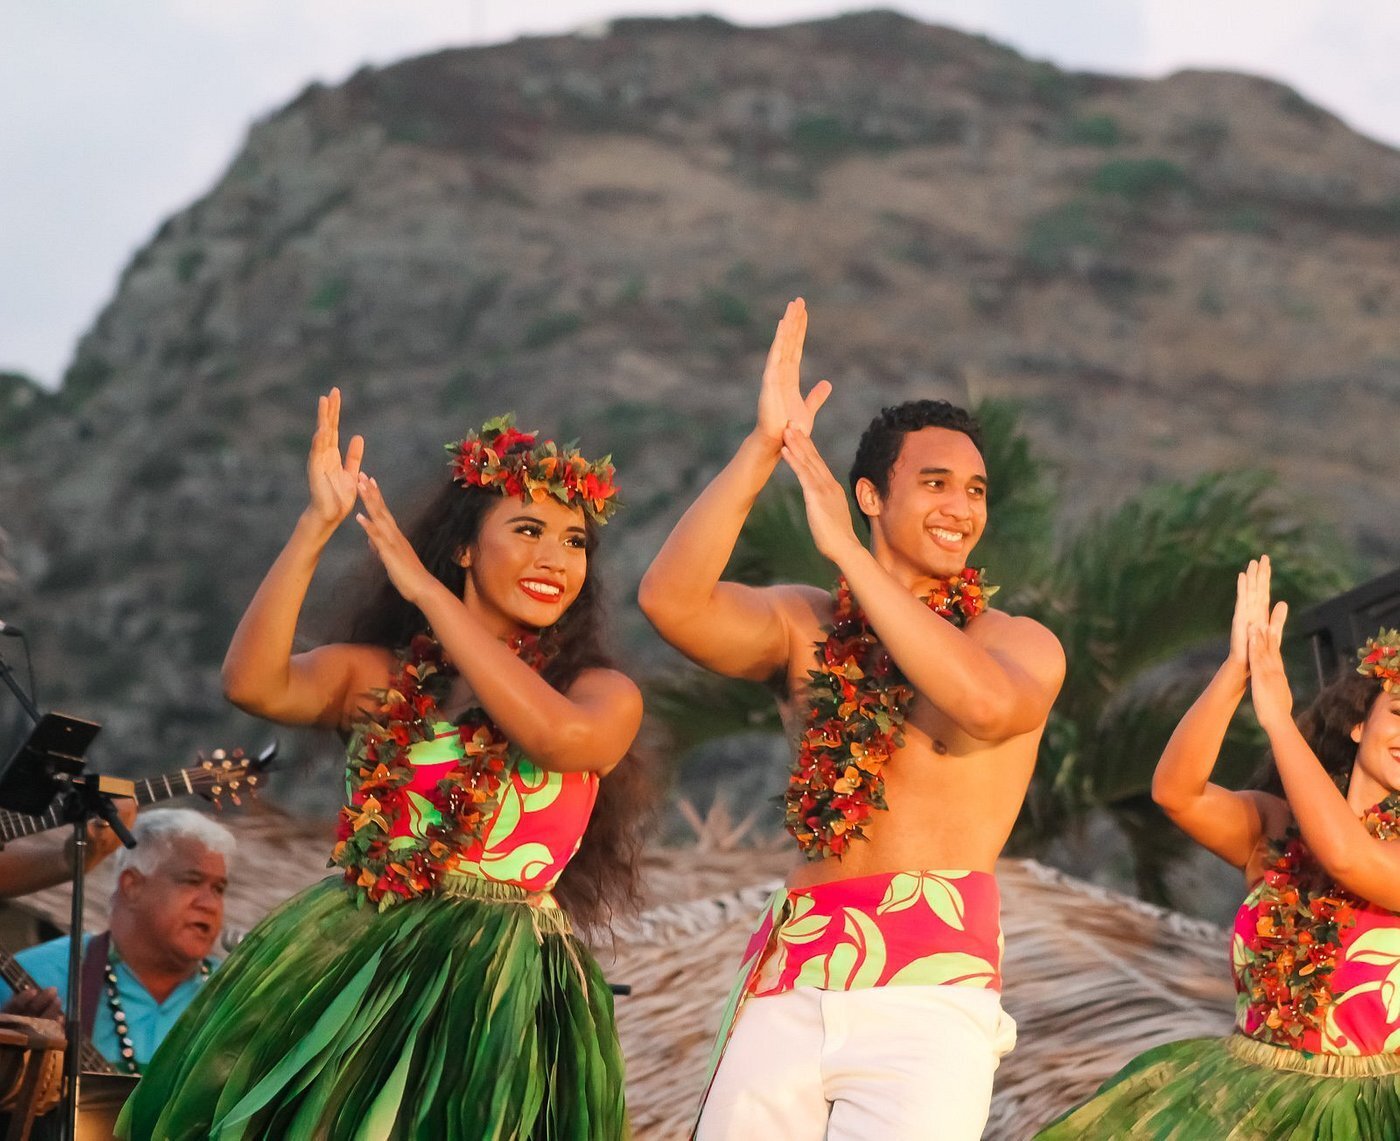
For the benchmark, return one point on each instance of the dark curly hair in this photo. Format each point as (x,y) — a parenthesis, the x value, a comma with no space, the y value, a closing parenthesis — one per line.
(880,442)
(604,875)
(1326,725)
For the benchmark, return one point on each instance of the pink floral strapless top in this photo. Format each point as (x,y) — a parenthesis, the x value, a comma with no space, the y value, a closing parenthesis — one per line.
(1316,968)
(537,827)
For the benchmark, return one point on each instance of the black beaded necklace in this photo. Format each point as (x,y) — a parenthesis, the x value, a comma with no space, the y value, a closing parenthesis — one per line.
(114,1004)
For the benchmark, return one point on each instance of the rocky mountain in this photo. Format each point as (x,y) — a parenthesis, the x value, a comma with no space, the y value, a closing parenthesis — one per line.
(599,230)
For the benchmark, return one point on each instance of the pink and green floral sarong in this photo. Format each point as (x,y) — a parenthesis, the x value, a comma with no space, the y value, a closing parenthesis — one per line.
(925,928)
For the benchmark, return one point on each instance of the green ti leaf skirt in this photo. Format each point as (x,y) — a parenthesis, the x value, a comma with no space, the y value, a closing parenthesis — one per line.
(466,1016)
(1237,1089)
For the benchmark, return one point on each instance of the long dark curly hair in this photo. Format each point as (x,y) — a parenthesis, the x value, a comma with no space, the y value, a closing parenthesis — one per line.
(604,875)
(1326,725)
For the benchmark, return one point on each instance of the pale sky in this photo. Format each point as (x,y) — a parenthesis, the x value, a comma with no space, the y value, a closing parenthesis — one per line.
(116,113)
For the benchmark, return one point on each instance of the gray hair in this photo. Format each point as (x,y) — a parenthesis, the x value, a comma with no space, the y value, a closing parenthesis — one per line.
(157,831)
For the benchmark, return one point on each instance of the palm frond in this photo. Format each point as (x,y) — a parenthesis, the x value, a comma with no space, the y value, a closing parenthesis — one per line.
(695,706)
(1021,505)
(1156,577)
(776,545)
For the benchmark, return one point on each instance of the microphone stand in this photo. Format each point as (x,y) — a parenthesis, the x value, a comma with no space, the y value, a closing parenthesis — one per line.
(85,796)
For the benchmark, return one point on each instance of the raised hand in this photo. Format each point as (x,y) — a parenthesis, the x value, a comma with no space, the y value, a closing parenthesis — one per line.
(1268,683)
(1251,608)
(332,481)
(401,562)
(780,400)
(828,512)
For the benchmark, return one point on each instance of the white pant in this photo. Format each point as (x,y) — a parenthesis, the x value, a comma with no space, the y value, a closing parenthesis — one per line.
(898,1063)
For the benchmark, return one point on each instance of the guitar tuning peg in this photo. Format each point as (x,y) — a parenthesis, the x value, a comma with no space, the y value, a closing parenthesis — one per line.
(218,754)
(233,796)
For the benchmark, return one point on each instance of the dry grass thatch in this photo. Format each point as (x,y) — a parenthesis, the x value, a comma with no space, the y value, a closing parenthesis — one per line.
(1093,978)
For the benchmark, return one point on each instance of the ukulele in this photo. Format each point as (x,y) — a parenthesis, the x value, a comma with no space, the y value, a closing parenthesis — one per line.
(19,979)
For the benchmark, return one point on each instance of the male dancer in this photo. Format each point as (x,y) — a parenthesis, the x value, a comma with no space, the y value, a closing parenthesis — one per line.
(868,1003)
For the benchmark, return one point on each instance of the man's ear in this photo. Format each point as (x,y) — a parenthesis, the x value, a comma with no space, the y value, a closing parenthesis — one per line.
(129,881)
(867,497)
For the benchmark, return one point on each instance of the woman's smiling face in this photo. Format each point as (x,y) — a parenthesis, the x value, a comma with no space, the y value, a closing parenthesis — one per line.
(527,564)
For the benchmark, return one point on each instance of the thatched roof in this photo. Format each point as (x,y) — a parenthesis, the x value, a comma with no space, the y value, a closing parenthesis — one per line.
(1092,977)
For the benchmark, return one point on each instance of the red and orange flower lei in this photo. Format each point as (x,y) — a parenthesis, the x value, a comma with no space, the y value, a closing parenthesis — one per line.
(857,701)
(1298,931)
(385,867)
(1380,658)
(502,458)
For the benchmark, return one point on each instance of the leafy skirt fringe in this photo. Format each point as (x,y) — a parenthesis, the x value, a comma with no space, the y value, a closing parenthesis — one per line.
(470,1015)
(1238,1089)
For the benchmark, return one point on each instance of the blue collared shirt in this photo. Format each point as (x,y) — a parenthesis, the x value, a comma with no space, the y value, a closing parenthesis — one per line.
(147,1020)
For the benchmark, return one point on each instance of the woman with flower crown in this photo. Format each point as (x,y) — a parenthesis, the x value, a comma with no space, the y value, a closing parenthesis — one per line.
(434,989)
(1316,946)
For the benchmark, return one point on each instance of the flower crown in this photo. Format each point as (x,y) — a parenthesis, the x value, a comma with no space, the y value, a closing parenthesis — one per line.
(502,458)
(1380,658)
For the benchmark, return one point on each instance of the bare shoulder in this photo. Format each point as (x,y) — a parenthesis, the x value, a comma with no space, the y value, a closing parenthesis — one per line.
(1021,640)
(802,604)
(346,672)
(605,682)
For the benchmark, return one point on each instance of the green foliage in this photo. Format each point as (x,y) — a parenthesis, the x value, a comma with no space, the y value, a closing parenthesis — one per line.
(1205,135)
(727,308)
(548,328)
(1016,546)
(461,393)
(330,294)
(22,404)
(1052,239)
(1053,88)
(820,139)
(158,470)
(692,702)
(1210,301)
(632,290)
(480,297)
(188,264)
(1132,592)
(1302,108)
(1094,131)
(1140,179)
(85,376)
(1247,219)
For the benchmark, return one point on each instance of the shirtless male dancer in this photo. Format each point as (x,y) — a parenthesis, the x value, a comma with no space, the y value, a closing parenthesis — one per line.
(868,1003)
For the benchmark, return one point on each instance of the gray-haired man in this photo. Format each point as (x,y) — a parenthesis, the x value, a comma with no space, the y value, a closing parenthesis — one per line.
(167,911)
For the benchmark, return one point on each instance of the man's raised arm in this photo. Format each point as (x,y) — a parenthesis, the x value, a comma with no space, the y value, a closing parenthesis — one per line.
(736,630)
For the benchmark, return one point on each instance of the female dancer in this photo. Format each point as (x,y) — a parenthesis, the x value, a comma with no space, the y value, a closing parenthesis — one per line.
(434,989)
(1316,948)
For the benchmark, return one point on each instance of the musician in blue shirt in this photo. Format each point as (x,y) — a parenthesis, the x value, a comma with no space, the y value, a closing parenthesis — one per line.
(167,912)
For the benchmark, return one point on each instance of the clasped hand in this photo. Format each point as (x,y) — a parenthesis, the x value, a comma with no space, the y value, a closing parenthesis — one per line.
(780,399)
(1256,644)
(401,562)
(335,484)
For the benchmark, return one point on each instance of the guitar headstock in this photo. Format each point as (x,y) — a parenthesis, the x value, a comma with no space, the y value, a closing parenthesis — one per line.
(230,774)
